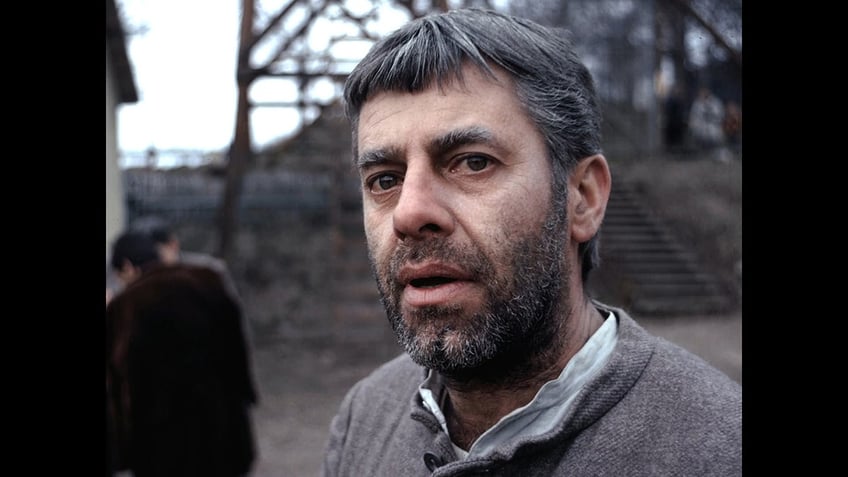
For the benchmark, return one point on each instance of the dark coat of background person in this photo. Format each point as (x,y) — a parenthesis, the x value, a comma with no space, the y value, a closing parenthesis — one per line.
(179,384)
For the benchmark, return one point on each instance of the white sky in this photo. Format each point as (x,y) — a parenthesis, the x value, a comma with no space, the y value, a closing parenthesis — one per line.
(184,69)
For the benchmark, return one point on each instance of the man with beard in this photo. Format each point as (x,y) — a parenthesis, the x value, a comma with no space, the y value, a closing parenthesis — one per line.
(477,139)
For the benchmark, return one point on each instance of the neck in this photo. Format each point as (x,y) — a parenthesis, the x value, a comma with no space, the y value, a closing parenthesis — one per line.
(477,400)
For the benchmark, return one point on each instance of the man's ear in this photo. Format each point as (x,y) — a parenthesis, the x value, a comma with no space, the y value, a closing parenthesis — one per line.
(589,190)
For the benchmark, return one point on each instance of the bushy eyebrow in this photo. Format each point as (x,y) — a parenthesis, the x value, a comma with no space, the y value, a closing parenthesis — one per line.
(437,147)
(460,137)
(379,156)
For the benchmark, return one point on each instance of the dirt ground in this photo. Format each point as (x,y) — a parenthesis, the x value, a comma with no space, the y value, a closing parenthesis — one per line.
(303,383)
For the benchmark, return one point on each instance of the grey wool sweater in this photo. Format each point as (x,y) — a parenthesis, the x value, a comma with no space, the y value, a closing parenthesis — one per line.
(655,409)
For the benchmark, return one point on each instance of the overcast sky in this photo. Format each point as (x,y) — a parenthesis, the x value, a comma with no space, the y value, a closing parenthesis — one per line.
(183,55)
(183,63)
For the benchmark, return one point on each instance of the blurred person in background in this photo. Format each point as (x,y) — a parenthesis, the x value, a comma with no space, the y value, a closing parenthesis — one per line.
(132,253)
(705,122)
(732,127)
(674,119)
(171,250)
(178,376)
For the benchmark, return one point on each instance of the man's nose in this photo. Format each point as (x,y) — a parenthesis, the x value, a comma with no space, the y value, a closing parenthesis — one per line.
(423,208)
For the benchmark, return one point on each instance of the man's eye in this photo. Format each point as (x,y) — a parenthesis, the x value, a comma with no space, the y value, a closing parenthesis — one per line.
(383,182)
(474,163)
(477,163)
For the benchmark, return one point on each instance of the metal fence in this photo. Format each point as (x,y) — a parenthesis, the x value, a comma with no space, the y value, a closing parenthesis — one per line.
(194,195)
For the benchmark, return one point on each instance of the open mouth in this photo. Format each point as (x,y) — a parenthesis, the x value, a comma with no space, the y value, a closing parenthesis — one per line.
(429,282)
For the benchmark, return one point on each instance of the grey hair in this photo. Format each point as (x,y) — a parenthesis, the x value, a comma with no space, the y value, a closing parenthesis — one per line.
(551,81)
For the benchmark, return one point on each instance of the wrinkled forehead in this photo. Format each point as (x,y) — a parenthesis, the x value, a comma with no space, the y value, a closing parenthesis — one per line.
(474,91)
(467,80)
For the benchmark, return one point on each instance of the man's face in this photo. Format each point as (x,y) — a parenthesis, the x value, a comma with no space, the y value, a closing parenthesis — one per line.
(466,246)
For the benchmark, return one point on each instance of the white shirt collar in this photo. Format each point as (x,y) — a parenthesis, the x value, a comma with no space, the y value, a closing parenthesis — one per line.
(550,404)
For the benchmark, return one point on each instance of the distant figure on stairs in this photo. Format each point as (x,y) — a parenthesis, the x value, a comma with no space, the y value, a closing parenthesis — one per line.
(675,120)
(705,122)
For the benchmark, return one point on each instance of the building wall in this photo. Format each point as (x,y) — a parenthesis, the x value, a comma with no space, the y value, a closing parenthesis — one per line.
(115,203)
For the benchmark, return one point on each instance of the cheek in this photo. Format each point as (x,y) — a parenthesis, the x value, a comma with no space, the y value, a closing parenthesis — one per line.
(378,235)
(518,211)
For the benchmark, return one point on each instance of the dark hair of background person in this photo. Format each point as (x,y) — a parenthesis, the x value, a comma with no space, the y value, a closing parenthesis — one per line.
(178,375)
(156,227)
(134,247)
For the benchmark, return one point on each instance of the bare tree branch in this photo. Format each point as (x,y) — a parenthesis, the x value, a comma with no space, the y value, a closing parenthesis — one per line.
(271,24)
(360,21)
(735,54)
(281,49)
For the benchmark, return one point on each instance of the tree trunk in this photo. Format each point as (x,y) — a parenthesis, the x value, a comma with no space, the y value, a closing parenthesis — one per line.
(241,152)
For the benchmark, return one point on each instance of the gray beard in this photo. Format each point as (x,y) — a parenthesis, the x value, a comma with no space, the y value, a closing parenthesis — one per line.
(518,324)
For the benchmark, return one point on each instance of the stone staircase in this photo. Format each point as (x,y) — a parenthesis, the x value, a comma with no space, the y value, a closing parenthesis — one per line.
(646,269)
